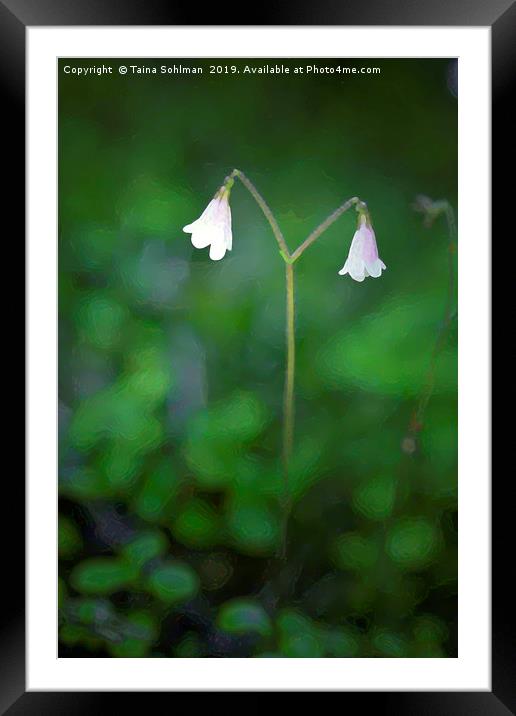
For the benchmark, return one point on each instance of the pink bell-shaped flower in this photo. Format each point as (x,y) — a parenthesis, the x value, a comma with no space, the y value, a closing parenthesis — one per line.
(363,259)
(213,227)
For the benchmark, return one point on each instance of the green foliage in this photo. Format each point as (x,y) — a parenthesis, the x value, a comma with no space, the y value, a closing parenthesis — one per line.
(84,483)
(156,491)
(299,636)
(171,369)
(428,628)
(149,207)
(197,524)
(144,547)
(341,643)
(220,434)
(412,543)
(102,575)
(173,582)
(141,632)
(244,616)
(395,332)
(252,527)
(375,498)
(388,643)
(356,552)
(115,413)
(61,593)
(70,541)
(89,610)
(101,321)
(190,647)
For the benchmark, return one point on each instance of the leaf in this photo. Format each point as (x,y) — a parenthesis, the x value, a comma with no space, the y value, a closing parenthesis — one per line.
(375,498)
(244,616)
(173,583)
(139,632)
(70,540)
(340,642)
(412,542)
(299,636)
(197,524)
(145,547)
(355,552)
(252,527)
(389,352)
(239,418)
(102,575)
(160,486)
(389,643)
(84,484)
(100,321)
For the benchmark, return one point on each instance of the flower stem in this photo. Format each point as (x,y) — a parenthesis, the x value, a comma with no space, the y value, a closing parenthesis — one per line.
(288,401)
(265,208)
(354,201)
(289,388)
(446,209)
(288,395)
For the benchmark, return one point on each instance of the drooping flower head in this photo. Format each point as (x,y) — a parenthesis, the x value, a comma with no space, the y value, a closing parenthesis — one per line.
(363,259)
(213,227)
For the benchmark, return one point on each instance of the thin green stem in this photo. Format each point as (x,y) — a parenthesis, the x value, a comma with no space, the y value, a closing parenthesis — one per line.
(288,400)
(265,208)
(288,396)
(354,201)
(289,388)
(446,209)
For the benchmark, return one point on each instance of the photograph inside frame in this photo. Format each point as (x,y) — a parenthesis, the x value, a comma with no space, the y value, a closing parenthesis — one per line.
(257,357)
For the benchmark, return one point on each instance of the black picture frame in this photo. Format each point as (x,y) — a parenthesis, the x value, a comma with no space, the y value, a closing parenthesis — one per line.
(15,17)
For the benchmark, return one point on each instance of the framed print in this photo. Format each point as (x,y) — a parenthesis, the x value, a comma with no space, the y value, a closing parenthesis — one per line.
(258,264)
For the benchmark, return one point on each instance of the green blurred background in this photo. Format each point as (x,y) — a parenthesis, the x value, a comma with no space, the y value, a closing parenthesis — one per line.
(171,366)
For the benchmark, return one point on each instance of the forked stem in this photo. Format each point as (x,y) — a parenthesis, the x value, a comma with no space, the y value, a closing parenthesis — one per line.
(290,368)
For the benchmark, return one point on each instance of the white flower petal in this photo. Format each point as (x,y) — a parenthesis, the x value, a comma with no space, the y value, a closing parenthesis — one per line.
(363,260)
(344,269)
(357,272)
(375,268)
(190,228)
(354,266)
(228,236)
(213,228)
(202,237)
(218,250)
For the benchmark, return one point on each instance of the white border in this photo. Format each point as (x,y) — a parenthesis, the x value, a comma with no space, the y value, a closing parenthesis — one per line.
(471,670)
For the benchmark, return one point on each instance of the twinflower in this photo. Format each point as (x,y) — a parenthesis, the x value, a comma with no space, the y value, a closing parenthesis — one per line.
(363,259)
(213,227)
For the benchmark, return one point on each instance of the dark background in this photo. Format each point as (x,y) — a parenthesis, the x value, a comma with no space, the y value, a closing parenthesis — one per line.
(171,367)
